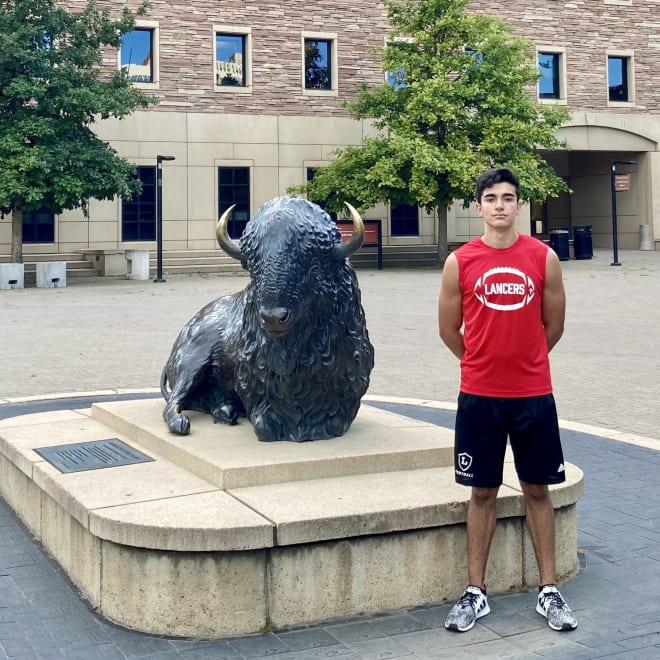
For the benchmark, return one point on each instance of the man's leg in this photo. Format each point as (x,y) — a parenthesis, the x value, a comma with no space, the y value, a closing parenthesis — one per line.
(481,520)
(540,516)
(541,525)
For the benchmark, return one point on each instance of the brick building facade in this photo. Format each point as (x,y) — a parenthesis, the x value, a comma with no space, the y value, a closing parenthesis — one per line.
(245,119)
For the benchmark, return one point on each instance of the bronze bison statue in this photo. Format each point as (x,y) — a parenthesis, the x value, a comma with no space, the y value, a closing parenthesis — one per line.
(291,351)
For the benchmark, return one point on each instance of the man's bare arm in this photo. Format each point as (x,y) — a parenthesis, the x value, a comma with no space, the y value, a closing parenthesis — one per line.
(554,300)
(450,308)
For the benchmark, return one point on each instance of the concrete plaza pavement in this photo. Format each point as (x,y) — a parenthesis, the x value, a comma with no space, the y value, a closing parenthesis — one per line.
(108,336)
(100,334)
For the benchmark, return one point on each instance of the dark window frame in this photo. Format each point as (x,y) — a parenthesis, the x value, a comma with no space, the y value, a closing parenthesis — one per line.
(619,93)
(404,220)
(138,214)
(311,171)
(555,74)
(244,55)
(234,188)
(38,227)
(318,77)
(137,78)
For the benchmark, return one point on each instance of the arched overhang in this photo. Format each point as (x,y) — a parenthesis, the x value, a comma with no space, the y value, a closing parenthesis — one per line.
(594,134)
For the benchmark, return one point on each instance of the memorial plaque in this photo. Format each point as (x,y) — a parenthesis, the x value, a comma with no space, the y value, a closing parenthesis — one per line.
(92,455)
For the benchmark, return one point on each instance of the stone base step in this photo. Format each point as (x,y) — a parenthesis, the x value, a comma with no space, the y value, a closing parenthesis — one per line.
(216,261)
(210,261)
(223,535)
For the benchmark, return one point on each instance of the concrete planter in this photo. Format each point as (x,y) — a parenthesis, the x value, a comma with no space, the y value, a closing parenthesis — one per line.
(51,274)
(12,276)
(137,264)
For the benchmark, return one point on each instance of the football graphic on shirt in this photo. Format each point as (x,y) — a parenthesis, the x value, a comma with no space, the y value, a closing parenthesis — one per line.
(505,289)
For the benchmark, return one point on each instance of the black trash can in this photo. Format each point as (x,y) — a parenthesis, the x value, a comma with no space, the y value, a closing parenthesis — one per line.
(559,243)
(582,247)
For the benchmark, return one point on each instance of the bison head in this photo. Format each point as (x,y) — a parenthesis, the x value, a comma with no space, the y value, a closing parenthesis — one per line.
(296,260)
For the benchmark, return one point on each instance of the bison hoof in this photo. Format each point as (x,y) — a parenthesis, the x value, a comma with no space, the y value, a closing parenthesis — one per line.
(226,414)
(180,425)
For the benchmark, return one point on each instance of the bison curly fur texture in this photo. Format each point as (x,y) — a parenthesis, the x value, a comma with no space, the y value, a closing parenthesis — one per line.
(304,382)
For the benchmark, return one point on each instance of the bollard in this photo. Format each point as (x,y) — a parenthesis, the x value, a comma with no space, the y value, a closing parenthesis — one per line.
(645,237)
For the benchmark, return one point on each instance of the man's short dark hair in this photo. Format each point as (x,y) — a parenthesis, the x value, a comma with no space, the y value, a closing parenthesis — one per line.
(497,175)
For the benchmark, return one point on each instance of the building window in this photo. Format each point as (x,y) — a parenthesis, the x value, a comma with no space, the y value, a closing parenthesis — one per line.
(38,226)
(396,79)
(311,171)
(552,71)
(319,63)
(138,214)
(404,220)
(232,58)
(478,57)
(619,78)
(234,188)
(549,71)
(138,55)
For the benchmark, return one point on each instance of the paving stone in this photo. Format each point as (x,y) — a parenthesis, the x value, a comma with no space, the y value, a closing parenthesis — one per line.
(259,646)
(310,638)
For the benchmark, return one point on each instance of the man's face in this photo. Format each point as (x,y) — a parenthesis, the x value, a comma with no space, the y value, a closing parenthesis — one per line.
(499,205)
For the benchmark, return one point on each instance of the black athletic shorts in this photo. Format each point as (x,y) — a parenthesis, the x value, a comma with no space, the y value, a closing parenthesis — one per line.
(482,427)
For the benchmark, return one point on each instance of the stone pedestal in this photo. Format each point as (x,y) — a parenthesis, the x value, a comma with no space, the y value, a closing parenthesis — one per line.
(224,535)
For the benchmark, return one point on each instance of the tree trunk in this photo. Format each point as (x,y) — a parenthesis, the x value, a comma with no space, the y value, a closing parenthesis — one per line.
(17,235)
(443,243)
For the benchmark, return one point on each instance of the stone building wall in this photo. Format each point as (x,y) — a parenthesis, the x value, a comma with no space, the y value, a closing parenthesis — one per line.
(588,29)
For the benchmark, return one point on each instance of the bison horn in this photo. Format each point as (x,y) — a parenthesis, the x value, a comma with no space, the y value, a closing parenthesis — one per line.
(227,244)
(354,243)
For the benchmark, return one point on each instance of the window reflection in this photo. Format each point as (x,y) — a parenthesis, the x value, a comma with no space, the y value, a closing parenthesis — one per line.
(137,55)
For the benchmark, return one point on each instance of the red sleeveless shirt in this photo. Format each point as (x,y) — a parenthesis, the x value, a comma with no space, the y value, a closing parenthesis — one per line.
(506,351)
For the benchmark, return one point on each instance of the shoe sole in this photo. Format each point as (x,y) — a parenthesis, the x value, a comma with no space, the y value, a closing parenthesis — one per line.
(454,628)
(563,627)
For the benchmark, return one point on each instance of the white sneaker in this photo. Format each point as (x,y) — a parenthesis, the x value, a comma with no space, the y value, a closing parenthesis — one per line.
(472,605)
(554,608)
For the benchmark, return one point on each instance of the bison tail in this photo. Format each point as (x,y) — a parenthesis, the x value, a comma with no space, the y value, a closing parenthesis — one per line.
(164,390)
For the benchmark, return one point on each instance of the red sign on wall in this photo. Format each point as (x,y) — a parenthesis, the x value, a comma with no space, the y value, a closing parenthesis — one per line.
(371,232)
(372,235)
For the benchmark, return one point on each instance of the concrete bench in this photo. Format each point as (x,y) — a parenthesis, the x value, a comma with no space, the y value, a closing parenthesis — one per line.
(133,264)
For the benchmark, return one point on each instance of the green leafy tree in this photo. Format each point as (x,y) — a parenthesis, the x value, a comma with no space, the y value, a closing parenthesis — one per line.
(459,100)
(52,90)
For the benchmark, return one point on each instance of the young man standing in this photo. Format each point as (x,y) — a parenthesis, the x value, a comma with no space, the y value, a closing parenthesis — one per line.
(501,311)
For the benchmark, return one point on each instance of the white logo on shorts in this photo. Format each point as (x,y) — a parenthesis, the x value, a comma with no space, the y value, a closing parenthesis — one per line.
(560,468)
(464,461)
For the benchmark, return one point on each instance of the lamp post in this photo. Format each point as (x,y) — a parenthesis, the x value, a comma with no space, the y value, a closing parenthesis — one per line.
(159,216)
(615,231)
